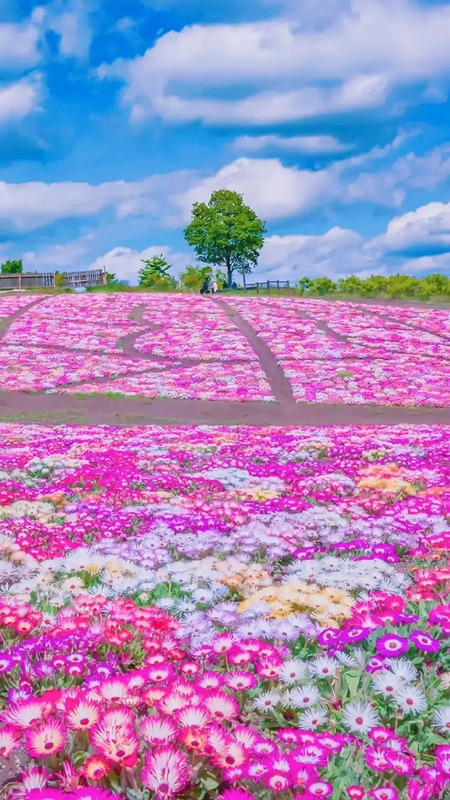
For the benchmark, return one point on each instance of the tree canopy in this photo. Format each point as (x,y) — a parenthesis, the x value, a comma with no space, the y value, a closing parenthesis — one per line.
(226,233)
(155,274)
(12,267)
(194,277)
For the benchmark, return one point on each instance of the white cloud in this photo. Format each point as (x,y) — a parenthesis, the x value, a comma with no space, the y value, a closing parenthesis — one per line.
(17,100)
(70,20)
(28,206)
(125,262)
(18,44)
(310,145)
(337,253)
(263,108)
(426,227)
(388,187)
(362,54)
(273,190)
(66,256)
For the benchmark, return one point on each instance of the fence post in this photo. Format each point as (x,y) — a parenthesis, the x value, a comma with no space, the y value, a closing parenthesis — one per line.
(268,287)
(278,286)
(20,281)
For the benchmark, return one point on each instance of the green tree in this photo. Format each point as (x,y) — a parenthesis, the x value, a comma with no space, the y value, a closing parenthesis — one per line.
(226,233)
(193,277)
(155,274)
(323,286)
(304,284)
(375,285)
(13,267)
(350,285)
(112,280)
(434,284)
(402,286)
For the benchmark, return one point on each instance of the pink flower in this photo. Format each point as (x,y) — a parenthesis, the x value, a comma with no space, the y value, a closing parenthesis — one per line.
(355,792)
(46,739)
(386,792)
(166,772)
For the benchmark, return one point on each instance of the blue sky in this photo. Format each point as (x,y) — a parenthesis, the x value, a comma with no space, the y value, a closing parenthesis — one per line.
(330,117)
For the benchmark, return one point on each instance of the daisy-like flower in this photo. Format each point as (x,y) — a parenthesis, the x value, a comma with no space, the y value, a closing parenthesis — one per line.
(304,696)
(194,717)
(292,671)
(392,645)
(403,669)
(9,740)
(386,792)
(410,700)
(222,706)
(158,730)
(46,739)
(312,719)
(441,719)
(95,768)
(359,717)
(323,667)
(166,772)
(386,683)
(267,701)
(318,788)
(81,715)
(423,641)
(240,681)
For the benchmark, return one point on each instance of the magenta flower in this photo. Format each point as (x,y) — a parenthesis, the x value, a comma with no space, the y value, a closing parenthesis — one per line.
(392,645)
(423,641)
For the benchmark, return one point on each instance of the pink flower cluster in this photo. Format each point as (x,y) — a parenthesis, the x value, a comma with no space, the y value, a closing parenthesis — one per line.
(345,353)
(242,613)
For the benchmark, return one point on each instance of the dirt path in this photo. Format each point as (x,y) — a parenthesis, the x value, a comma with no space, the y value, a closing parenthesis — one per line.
(279,384)
(38,407)
(322,326)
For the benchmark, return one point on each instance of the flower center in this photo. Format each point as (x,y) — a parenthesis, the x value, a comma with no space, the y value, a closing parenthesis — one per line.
(49,746)
(359,720)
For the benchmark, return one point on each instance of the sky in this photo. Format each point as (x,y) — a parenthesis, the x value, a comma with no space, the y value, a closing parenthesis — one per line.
(331,117)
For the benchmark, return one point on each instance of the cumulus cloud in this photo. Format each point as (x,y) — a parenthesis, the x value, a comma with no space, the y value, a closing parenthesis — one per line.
(125,262)
(427,229)
(362,54)
(273,190)
(310,145)
(336,253)
(28,206)
(19,44)
(19,99)
(388,187)
(70,20)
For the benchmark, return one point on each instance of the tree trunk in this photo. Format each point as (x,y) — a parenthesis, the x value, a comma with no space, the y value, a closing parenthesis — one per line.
(229,273)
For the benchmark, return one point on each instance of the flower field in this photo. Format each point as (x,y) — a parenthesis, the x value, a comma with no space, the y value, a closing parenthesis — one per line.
(236,613)
(229,348)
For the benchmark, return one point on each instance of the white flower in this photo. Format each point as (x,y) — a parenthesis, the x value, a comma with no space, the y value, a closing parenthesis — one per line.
(304,696)
(359,717)
(324,667)
(312,719)
(403,669)
(441,719)
(386,683)
(266,701)
(292,671)
(410,700)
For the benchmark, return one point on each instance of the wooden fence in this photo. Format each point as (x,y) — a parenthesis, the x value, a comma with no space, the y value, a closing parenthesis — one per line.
(34,280)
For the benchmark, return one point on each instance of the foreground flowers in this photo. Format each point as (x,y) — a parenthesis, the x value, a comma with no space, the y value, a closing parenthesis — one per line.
(228,613)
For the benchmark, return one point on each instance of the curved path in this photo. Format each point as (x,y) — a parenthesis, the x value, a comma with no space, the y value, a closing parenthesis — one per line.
(279,384)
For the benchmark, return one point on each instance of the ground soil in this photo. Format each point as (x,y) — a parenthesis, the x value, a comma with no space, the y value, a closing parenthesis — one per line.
(56,408)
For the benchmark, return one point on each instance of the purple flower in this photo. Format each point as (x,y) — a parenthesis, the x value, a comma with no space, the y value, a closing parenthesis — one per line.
(355,634)
(392,645)
(329,636)
(423,641)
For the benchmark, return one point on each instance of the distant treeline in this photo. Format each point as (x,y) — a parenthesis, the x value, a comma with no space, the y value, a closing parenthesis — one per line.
(435,285)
